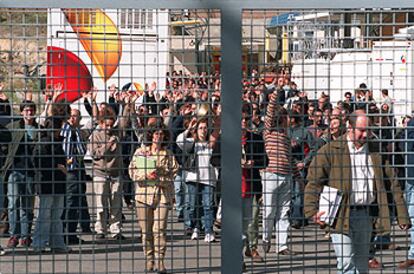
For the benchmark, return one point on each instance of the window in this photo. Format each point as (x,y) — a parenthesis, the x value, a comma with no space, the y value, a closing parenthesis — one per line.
(137,19)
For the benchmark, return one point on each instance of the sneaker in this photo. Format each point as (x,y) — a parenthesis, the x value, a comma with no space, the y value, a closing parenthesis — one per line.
(266,246)
(2,251)
(39,250)
(287,252)
(73,240)
(188,231)
(26,242)
(209,238)
(59,250)
(100,236)
(195,234)
(13,242)
(87,230)
(119,237)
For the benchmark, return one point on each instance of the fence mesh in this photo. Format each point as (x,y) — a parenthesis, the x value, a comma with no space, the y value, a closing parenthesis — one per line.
(110,135)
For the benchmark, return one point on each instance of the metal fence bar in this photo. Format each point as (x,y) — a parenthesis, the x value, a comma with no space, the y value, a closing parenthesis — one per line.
(231,67)
(231,141)
(200,4)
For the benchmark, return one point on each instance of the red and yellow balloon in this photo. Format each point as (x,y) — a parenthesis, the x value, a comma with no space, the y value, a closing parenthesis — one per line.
(99,37)
(68,70)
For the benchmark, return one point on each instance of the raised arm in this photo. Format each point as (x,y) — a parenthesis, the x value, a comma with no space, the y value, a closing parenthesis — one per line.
(183,142)
(272,114)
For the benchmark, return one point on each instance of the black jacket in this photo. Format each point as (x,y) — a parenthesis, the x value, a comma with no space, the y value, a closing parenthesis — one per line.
(47,155)
(255,150)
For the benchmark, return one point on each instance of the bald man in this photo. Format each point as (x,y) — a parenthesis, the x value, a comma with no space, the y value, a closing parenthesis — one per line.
(352,165)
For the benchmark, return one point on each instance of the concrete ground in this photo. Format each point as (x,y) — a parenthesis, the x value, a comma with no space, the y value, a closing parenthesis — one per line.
(184,255)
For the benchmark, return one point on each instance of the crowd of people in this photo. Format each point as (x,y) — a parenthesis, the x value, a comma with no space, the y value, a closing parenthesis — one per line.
(158,151)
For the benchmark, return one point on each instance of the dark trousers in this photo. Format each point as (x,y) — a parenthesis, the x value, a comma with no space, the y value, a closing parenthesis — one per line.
(76,206)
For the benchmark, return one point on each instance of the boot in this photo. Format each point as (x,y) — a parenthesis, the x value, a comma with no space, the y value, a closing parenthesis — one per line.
(150,265)
(161,267)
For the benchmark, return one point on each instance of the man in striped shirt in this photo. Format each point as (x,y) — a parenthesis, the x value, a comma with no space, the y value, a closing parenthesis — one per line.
(76,206)
(277,177)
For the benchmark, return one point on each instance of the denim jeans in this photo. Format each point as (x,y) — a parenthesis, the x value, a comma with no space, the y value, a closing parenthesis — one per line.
(197,192)
(352,251)
(49,227)
(409,196)
(276,200)
(297,216)
(21,199)
(2,194)
(76,205)
(181,201)
(247,211)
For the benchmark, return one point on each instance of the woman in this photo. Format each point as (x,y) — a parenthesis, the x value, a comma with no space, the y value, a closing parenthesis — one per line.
(153,168)
(50,162)
(199,175)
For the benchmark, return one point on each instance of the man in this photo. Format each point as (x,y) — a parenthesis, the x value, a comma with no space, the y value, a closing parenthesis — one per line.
(277,177)
(352,166)
(5,138)
(317,126)
(386,99)
(408,148)
(303,149)
(253,159)
(105,149)
(18,170)
(76,205)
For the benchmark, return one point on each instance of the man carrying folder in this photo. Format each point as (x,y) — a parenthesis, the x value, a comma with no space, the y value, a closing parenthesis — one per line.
(352,166)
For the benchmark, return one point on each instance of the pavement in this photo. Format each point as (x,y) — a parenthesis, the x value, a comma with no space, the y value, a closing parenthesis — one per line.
(315,254)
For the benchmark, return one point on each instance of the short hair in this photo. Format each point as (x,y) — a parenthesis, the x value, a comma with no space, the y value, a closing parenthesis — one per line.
(348,93)
(247,109)
(407,117)
(27,103)
(61,110)
(327,106)
(54,123)
(352,118)
(295,115)
(385,92)
(158,127)
(107,113)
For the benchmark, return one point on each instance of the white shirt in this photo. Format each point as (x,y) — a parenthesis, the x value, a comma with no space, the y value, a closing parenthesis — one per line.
(206,173)
(362,175)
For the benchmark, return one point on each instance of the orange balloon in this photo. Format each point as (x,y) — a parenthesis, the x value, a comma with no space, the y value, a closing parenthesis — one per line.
(100,38)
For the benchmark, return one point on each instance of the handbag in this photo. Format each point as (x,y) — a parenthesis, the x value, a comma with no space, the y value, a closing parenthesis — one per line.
(189,163)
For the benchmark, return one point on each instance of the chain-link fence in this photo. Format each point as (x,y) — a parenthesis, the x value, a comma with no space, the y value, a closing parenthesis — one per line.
(122,130)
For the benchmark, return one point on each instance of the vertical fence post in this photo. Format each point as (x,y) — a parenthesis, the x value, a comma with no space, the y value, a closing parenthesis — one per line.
(231,71)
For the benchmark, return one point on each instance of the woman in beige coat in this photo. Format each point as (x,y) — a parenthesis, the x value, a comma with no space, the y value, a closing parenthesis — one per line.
(153,168)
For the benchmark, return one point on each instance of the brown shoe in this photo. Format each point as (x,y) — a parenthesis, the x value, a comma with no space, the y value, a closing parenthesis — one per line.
(160,267)
(406,264)
(12,242)
(256,256)
(287,252)
(393,246)
(150,266)
(374,264)
(248,252)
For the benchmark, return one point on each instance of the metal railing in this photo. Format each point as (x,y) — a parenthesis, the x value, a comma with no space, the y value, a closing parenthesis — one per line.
(129,70)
